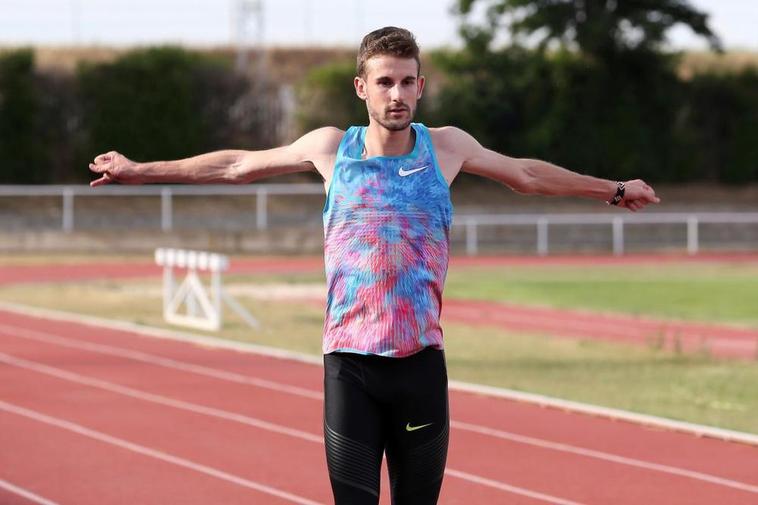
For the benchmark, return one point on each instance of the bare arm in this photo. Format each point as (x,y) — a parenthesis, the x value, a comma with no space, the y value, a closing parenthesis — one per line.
(313,151)
(538,177)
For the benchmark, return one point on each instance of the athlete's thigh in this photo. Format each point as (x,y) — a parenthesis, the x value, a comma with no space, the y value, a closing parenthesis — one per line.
(353,433)
(418,436)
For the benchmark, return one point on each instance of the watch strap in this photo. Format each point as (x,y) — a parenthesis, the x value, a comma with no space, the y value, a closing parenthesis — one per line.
(620,190)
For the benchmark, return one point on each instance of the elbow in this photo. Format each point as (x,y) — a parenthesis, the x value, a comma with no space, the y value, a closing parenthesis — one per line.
(237,173)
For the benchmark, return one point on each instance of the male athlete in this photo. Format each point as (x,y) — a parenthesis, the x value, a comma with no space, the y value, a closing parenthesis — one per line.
(386,227)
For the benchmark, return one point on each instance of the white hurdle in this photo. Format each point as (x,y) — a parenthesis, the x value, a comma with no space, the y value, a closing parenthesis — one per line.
(201,309)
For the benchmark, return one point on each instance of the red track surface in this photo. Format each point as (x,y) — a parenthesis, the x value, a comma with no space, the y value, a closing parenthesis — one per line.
(90,415)
(205,430)
(103,270)
(719,340)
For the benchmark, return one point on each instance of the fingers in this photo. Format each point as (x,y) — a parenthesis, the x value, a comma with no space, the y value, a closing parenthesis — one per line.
(639,204)
(105,179)
(649,195)
(98,169)
(103,162)
(98,182)
(105,157)
(638,195)
(634,205)
(102,165)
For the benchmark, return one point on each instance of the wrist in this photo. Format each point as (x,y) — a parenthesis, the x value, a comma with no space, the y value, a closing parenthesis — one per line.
(618,194)
(142,172)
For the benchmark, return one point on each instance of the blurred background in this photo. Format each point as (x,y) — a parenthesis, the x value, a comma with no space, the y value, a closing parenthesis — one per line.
(666,91)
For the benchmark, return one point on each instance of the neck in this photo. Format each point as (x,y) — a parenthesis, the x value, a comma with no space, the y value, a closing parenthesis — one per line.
(383,142)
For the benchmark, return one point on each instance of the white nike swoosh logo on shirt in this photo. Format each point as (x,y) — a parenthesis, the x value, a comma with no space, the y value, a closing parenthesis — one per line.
(404,173)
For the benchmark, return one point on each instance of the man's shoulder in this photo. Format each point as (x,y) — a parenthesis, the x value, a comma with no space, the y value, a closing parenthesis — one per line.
(450,138)
(324,140)
(328,134)
(443,132)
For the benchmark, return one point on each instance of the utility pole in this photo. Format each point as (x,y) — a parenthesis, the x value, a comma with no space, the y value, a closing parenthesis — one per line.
(247,26)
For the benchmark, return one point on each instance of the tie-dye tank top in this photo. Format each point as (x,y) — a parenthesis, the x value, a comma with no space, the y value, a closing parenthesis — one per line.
(386,229)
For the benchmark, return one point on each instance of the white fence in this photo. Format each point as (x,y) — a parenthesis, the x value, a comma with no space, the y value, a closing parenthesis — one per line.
(165,192)
(617,222)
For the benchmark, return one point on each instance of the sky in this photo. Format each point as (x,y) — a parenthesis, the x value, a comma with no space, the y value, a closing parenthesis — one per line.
(285,22)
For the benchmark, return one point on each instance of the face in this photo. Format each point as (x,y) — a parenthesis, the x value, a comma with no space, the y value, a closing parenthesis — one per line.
(391,89)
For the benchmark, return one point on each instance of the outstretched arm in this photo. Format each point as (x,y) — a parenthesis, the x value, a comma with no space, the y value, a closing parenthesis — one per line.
(538,177)
(312,151)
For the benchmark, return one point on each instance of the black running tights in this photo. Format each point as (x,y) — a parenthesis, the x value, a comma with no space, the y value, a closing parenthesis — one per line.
(397,406)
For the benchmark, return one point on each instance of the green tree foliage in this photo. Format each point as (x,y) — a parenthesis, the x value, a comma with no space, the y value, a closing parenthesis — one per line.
(631,118)
(23,157)
(601,28)
(716,130)
(565,108)
(148,103)
(490,93)
(169,103)
(605,100)
(157,103)
(326,97)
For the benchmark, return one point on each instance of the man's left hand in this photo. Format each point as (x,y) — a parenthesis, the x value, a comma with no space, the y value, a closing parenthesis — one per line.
(637,195)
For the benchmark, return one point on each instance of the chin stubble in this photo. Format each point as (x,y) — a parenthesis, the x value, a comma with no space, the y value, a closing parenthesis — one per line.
(389,123)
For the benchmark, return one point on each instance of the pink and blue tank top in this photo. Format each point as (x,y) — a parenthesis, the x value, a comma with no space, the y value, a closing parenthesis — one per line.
(386,229)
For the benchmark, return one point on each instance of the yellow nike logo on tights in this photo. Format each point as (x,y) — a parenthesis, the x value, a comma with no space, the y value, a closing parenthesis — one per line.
(408,427)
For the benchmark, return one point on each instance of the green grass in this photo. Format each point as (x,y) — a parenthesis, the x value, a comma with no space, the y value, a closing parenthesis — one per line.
(692,388)
(295,326)
(720,292)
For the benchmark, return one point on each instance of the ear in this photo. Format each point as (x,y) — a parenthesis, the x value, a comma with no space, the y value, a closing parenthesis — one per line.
(360,87)
(420,82)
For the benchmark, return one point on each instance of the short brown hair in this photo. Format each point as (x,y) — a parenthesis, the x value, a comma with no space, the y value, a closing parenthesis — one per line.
(387,41)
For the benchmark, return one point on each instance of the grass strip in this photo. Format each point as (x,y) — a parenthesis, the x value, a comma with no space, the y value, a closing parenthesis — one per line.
(691,388)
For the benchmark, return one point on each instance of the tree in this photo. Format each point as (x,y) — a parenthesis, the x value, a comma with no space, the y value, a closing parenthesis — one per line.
(168,103)
(21,131)
(599,28)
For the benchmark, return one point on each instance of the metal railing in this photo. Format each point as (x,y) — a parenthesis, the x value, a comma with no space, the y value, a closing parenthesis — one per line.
(166,193)
(617,222)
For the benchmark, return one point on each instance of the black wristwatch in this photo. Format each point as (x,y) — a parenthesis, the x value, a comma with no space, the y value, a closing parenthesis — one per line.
(620,189)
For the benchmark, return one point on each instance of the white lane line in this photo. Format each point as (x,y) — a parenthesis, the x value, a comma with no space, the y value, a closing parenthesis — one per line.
(4,484)
(231,416)
(161,333)
(21,332)
(153,453)
(159,399)
(18,331)
(580,451)
(508,488)
(697,430)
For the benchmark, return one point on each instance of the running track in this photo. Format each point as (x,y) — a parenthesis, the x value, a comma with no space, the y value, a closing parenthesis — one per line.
(94,415)
(720,340)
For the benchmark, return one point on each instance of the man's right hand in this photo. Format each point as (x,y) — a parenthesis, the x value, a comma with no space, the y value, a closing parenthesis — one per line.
(114,167)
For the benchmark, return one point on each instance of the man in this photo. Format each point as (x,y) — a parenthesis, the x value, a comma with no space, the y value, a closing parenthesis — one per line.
(386,223)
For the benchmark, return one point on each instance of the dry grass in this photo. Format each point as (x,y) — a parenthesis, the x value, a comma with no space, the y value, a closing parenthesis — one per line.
(699,62)
(290,64)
